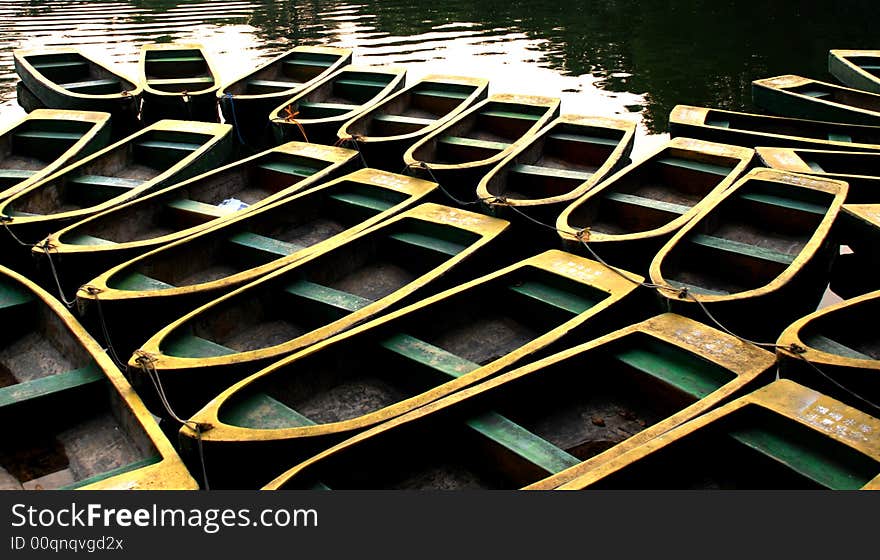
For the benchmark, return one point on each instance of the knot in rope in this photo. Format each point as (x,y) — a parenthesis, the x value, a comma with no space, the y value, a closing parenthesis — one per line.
(683,293)
(795,348)
(92,290)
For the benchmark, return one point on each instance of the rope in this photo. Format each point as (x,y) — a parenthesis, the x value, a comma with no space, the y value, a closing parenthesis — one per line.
(355,140)
(230,97)
(184,96)
(290,117)
(45,246)
(147,365)
(682,293)
(93,291)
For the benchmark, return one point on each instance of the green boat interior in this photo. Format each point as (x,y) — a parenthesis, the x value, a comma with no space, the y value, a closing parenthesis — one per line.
(844,96)
(418,351)
(177,71)
(288,73)
(200,202)
(420,107)
(78,74)
(530,427)
(347,91)
(847,163)
(870,64)
(111,174)
(747,240)
(321,290)
(842,331)
(751,448)
(652,193)
(43,369)
(260,238)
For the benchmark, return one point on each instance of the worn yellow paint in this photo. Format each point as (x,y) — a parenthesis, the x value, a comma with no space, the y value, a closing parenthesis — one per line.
(869,214)
(784,397)
(784,86)
(850,73)
(744,360)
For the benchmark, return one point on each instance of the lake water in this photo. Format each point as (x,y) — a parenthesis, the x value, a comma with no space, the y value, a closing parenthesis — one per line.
(601,57)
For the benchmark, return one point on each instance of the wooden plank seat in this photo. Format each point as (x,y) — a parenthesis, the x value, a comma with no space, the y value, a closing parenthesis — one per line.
(585,138)
(106,85)
(428,242)
(486,145)
(839,137)
(692,165)
(62,65)
(51,384)
(687,373)
(193,346)
(509,115)
(551,295)
(146,462)
(361,200)
(442,93)
(10,297)
(326,295)
(314,109)
(651,203)
(288,168)
(268,246)
(721,123)
(354,87)
(815,93)
(554,172)
(85,239)
(201,211)
(42,142)
(135,281)
(427,354)
(831,346)
(814,166)
(402,119)
(297,61)
(870,67)
(15,174)
(96,187)
(199,82)
(175,59)
(265,86)
(783,202)
(737,247)
(260,409)
(47,135)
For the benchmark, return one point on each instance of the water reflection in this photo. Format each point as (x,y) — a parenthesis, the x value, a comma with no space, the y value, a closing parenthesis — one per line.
(622,57)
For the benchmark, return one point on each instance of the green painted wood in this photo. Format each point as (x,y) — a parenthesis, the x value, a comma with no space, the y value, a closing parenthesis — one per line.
(165,145)
(556,297)
(474,143)
(585,138)
(65,65)
(814,93)
(176,59)
(135,281)
(839,137)
(327,295)
(49,385)
(522,442)
(119,184)
(730,246)
(814,166)
(362,200)
(48,135)
(509,115)
(96,87)
(197,81)
(85,239)
(402,119)
(635,200)
(553,172)
(831,346)
(271,85)
(314,109)
(442,93)
(146,462)
(268,245)
(299,61)
(692,165)
(422,241)
(686,372)
(693,288)
(354,88)
(192,346)
(202,209)
(288,168)
(259,410)
(721,123)
(429,355)
(16,174)
(785,202)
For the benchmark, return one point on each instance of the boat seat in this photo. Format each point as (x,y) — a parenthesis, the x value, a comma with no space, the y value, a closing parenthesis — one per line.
(107,85)
(274,248)
(686,372)
(474,143)
(262,411)
(51,384)
(352,87)
(114,472)
(871,67)
(784,202)
(327,295)
(587,139)
(839,137)
(635,200)
(525,444)
(402,119)
(556,297)
(428,242)
(200,210)
(16,174)
(269,86)
(429,355)
(177,59)
(362,201)
(309,62)
(731,246)
(288,168)
(316,110)
(815,93)
(554,172)
(192,346)
(720,123)
(814,166)
(63,64)
(41,143)
(137,282)
(158,153)
(826,344)
(200,82)
(509,115)
(11,297)
(442,93)
(84,239)
(692,165)
(103,188)
(48,135)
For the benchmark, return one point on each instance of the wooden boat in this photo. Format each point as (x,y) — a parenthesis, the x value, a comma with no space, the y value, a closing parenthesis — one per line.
(77,422)
(805,98)
(86,248)
(858,69)
(859,228)
(248,100)
(414,254)
(26,98)
(461,151)
(151,158)
(841,346)
(384,131)
(852,273)
(167,282)
(180,81)
(539,424)
(763,249)
(750,130)
(860,169)
(65,78)
(403,360)
(557,165)
(783,436)
(44,141)
(315,113)
(628,216)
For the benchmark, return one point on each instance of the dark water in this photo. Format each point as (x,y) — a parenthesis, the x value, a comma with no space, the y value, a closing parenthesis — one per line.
(625,57)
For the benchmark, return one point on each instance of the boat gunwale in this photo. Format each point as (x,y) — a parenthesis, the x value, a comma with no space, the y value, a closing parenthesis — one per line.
(789,159)
(841,58)
(783,397)
(834,187)
(744,360)
(207,56)
(781,85)
(578,269)
(621,150)
(868,214)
